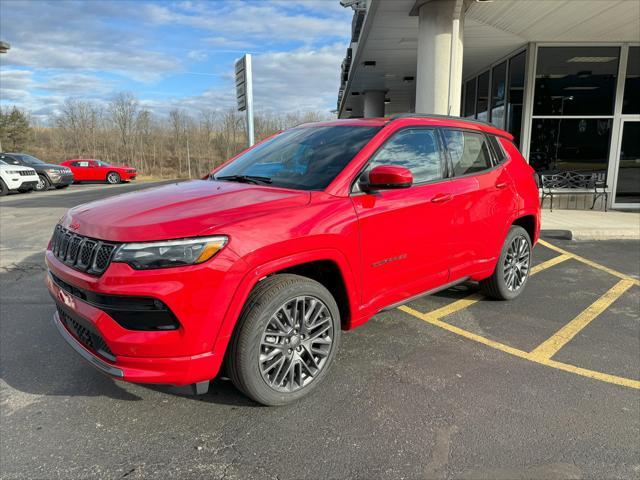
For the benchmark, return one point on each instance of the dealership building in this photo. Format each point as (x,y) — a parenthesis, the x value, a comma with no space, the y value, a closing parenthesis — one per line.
(563,76)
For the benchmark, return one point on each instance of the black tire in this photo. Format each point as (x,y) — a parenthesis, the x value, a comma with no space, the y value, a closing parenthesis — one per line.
(113,178)
(3,188)
(496,285)
(243,363)
(43,184)
(60,187)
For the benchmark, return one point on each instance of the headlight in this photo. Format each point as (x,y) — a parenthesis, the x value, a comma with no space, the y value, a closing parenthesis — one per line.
(170,253)
(14,172)
(53,171)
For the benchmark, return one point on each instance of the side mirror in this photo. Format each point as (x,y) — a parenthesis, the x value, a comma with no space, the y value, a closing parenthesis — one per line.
(386,177)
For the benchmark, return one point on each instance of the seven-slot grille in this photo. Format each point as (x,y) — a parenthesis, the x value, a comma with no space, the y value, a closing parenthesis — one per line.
(82,253)
(26,173)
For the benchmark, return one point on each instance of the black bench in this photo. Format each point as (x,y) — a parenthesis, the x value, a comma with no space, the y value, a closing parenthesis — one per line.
(574,183)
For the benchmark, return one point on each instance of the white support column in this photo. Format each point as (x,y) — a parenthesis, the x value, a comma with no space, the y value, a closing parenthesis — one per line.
(374,103)
(440,52)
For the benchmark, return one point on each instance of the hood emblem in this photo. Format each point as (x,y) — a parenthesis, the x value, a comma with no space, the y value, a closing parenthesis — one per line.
(74,226)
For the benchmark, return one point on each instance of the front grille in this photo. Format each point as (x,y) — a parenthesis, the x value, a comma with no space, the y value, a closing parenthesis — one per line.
(26,173)
(81,253)
(85,334)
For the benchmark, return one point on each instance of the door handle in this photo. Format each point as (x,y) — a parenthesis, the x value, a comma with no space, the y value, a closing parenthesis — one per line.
(441,198)
(502,185)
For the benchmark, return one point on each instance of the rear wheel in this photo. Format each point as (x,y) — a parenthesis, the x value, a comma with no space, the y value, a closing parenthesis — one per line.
(285,340)
(513,267)
(3,188)
(113,178)
(43,184)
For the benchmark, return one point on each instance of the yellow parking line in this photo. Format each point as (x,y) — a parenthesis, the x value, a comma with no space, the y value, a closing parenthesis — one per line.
(476,297)
(604,377)
(543,353)
(550,347)
(591,263)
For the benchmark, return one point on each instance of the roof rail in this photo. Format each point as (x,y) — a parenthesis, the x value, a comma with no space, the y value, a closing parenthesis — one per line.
(437,116)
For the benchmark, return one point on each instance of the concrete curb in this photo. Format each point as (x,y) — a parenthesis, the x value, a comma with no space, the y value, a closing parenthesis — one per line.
(593,234)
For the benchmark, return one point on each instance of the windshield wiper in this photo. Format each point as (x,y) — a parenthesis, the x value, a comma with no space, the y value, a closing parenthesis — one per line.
(245,178)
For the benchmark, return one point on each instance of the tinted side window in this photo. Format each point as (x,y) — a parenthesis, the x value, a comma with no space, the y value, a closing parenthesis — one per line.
(415,149)
(468,150)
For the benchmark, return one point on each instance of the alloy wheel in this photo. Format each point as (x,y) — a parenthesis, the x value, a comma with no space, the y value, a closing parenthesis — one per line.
(112,178)
(40,185)
(296,343)
(516,263)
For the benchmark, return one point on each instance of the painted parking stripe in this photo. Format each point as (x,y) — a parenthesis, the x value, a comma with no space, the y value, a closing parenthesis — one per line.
(434,317)
(550,347)
(476,297)
(604,377)
(591,263)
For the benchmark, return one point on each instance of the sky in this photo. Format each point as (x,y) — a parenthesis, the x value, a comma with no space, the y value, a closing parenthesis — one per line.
(172,54)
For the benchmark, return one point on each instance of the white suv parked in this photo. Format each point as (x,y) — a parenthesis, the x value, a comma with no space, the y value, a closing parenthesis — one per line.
(16,177)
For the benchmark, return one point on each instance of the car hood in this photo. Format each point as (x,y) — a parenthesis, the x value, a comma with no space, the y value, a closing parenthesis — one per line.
(178,210)
(16,167)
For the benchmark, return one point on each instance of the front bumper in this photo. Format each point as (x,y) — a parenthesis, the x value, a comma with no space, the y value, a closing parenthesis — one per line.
(19,182)
(62,180)
(197,295)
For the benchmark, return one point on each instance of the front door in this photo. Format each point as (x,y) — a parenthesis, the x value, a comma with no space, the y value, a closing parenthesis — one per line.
(404,233)
(627,179)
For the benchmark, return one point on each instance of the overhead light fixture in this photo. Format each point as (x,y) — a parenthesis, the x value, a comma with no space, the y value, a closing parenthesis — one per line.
(355,93)
(348,109)
(387,100)
(408,79)
(591,59)
(580,88)
(584,74)
(389,75)
(369,63)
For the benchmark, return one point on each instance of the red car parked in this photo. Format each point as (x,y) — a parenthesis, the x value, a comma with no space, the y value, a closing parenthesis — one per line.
(99,171)
(308,233)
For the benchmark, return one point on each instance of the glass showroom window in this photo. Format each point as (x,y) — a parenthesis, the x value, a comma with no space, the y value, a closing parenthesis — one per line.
(482,100)
(515,95)
(574,101)
(470,99)
(498,92)
(631,100)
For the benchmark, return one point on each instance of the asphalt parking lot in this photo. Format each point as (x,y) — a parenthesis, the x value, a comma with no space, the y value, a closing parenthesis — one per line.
(449,386)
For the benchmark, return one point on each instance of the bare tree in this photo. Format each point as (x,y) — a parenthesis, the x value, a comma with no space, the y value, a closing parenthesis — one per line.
(124,110)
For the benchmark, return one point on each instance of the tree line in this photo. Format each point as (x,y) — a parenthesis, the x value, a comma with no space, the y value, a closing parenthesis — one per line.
(181,144)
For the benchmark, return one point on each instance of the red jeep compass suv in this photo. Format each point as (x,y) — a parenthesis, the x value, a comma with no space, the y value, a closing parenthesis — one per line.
(310,232)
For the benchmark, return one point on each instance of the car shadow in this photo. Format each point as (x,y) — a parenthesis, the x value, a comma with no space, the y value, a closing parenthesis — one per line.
(34,359)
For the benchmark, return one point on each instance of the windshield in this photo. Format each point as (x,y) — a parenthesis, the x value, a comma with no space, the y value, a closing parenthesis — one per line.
(304,158)
(29,159)
(2,162)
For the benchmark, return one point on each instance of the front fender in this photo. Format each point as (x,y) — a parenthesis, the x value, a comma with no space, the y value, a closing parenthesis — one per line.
(253,276)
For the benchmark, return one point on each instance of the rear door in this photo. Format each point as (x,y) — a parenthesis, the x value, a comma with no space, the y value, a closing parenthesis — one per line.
(483,205)
(404,233)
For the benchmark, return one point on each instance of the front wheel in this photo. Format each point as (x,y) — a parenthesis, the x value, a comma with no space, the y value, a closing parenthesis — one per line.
(113,178)
(43,184)
(285,340)
(3,188)
(512,270)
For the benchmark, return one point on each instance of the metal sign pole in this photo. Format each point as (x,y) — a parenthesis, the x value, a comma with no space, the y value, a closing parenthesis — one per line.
(244,92)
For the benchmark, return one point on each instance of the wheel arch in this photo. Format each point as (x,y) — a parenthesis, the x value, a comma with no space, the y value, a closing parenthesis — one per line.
(530,224)
(329,267)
